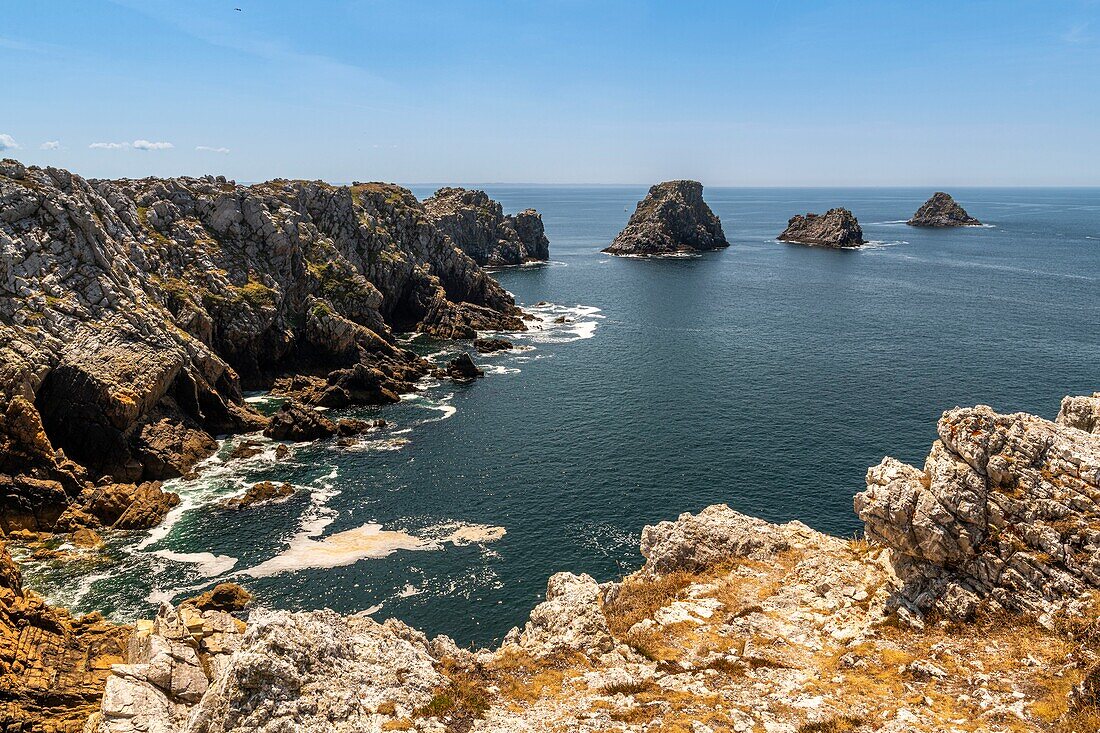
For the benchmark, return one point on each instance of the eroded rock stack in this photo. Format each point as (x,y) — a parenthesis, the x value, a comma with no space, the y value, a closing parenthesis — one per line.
(672,219)
(132,311)
(942,211)
(479,227)
(835,228)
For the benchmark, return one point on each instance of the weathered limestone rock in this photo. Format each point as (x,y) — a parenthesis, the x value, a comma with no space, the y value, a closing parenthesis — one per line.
(942,211)
(1082,413)
(835,228)
(119,506)
(671,219)
(570,618)
(478,226)
(1005,510)
(695,542)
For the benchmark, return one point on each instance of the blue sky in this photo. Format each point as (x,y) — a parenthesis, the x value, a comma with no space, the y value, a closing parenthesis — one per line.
(773,93)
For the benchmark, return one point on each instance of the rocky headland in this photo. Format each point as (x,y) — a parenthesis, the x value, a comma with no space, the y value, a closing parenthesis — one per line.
(672,219)
(969,606)
(480,228)
(835,228)
(942,211)
(133,312)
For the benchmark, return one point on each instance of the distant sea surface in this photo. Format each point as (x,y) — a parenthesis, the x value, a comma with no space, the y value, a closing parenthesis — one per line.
(766,376)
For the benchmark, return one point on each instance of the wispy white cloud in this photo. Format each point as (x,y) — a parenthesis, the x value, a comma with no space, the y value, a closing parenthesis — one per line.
(209,149)
(1078,35)
(7,142)
(136,144)
(146,145)
(50,145)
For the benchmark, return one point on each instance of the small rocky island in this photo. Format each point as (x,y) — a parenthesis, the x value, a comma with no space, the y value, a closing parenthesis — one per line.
(835,228)
(672,219)
(479,227)
(942,211)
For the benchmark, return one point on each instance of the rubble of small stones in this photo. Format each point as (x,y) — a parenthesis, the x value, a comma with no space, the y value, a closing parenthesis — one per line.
(672,219)
(835,228)
(942,211)
(479,227)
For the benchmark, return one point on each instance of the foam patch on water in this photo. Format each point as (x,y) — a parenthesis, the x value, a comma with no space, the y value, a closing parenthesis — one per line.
(560,323)
(368,541)
(206,564)
(879,244)
(384,444)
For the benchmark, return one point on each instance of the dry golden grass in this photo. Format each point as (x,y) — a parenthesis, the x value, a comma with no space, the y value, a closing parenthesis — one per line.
(640,597)
(839,724)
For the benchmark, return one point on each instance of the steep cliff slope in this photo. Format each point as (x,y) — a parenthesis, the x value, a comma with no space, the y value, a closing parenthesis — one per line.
(132,311)
(480,228)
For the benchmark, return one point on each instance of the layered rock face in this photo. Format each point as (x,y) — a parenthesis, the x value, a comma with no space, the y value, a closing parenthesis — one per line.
(671,219)
(835,228)
(53,666)
(1004,513)
(942,211)
(478,226)
(132,311)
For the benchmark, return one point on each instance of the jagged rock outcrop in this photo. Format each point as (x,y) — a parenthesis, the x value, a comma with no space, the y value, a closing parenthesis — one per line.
(226,597)
(260,493)
(835,228)
(671,219)
(118,506)
(1004,512)
(1081,412)
(942,211)
(478,226)
(489,345)
(131,312)
(52,666)
(463,370)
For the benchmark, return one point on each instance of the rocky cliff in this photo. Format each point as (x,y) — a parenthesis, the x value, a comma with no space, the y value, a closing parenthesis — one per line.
(132,312)
(942,211)
(478,226)
(967,608)
(671,219)
(53,666)
(835,228)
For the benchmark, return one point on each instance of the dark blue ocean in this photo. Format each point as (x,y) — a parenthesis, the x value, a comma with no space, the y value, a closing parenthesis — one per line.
(767,376)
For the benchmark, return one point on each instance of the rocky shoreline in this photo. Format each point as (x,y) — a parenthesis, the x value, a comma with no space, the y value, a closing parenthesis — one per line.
(134,312)
(732,624)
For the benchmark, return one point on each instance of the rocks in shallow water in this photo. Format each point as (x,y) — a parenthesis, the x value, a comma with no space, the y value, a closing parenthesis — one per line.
(462,369)
(835,228)
(298,423)
(226,597)
(671,219)
(1005,509)
(488,346)
(260,493)
(942,211)
(477,225)
(246,449)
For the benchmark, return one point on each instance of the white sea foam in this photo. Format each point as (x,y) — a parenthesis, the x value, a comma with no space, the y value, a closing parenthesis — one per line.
(206,564)
(368,541)
(578,323)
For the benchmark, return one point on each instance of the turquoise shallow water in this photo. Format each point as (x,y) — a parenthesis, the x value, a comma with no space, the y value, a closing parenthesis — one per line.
(767,376)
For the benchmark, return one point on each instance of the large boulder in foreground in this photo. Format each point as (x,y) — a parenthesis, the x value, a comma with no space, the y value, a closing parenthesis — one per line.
(942,211)
(1005,511)
(479,227)
(835,228)
(671,219)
